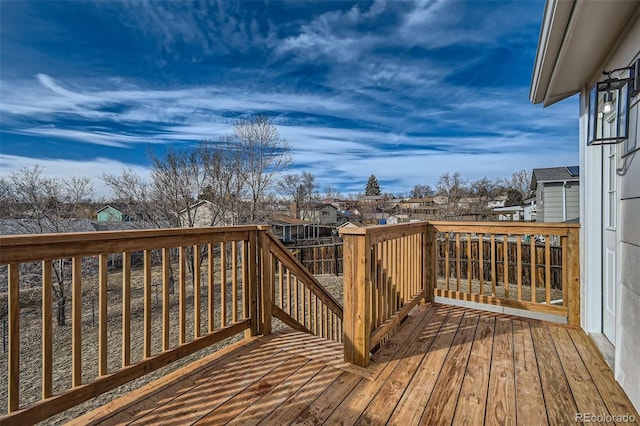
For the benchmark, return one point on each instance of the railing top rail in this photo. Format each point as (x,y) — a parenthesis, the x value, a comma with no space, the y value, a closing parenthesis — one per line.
(523,228)
(36,247)
(506,224)
(375,229)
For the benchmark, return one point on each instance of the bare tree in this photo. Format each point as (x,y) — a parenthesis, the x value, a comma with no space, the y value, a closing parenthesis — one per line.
(452,187)
(421,191)
(138,196)
(264,155)
(332,192)
(301,188)
(46,205)
(521,181)
(178,179)
(224,186)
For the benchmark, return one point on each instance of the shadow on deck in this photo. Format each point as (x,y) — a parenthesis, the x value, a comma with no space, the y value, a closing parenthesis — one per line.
(443,365)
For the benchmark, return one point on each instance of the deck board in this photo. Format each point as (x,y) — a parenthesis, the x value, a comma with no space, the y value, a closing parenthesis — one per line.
(473,395)
(501,400)
(530,408)
(443,365)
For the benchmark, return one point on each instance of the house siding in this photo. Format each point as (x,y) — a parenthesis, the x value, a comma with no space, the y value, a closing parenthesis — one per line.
(551,210)
(627,369)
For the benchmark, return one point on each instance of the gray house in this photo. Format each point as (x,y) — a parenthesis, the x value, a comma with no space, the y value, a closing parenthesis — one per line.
(557,193)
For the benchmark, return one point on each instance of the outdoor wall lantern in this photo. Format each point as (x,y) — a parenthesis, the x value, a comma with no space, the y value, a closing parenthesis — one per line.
(609,105)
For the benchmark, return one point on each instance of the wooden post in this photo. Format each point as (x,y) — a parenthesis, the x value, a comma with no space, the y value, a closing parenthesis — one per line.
(249,251)
(573,279)
(266,281)
(429,256)
(357,323)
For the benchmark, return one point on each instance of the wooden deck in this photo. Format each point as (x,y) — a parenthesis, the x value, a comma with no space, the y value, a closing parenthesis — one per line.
(444,365)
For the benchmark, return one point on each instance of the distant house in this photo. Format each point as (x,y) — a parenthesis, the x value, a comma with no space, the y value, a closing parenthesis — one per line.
(557,193)
(497,202)
(287,228)
(323,214)
(530,209)
(510,214)
(111,214)
(205,213)
(350,224)
(397,218)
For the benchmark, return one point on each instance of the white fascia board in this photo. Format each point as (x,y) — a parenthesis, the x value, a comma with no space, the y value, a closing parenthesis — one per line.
(552,33)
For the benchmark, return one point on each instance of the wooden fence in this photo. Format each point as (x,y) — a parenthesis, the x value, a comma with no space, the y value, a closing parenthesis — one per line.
(320,259)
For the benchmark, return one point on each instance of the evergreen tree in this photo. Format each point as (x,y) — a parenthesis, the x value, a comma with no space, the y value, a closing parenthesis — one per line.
(373,188)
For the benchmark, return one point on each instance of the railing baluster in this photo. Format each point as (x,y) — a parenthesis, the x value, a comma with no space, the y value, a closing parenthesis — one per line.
(196,291)
(481,262)
(147,304)
(166,282)
(14,337)
(281,284)
(182,296)
(505,264)
(493,265)
(47,329)
(565,289)
(211,270)
(288,310)
(126,309)
(532,267)
(102,315)
(296,300)
(519,267)
(234,282)
(469,266)
(458,261)
(379,259)
(76,321)
(446,262)
(547,268)
(223,284)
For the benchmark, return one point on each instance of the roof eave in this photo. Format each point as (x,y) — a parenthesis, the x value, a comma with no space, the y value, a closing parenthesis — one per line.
(552,31)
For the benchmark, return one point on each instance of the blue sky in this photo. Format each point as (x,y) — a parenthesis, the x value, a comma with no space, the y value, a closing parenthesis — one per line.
(403,90)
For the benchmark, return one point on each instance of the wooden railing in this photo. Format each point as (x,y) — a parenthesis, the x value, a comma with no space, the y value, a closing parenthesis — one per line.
(161,295)
(388,269)
(530,266)
(386,273)
(298,299)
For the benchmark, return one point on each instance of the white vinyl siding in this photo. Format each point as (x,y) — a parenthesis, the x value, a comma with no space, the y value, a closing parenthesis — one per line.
(552,206)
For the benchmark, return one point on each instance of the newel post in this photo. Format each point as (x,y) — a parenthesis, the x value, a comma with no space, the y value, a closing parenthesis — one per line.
(266,280)
(252,251)
(573,276)
(429,258)
(356,322)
